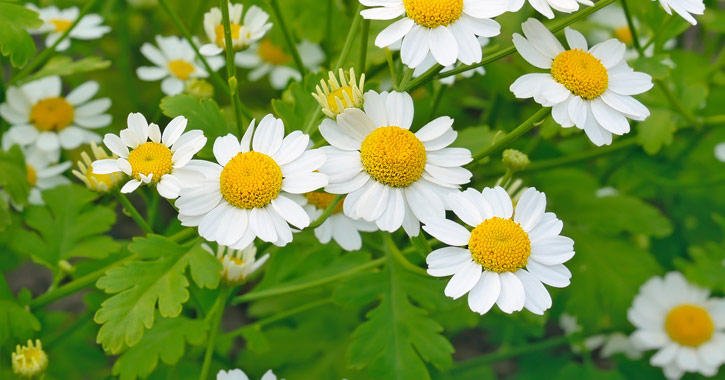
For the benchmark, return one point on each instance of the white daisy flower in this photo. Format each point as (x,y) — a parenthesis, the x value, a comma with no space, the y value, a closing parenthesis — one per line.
(589,88)
(392,176)
(238,263)
(42,117)
(445,28)
(429,62)
(720,151)
(157,161)
(238,374)
(252,191)
(339,227)
(682,322)
(43,174)
(545,6)
(334,95)
(176,62)
(684,8)
(57,21)
(266,58)
(94,181)
(511,252)
(255,26)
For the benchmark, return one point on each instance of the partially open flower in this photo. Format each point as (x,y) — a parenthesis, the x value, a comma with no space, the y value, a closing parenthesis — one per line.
(238,263)
(29,361)
(334,97)
(95,181)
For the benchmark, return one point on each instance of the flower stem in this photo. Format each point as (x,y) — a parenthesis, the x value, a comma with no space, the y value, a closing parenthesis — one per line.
(231,66)
(632,29)
(676,103)
(364,46)
(405,79)
(215,318)
(513,135)
(291,44)
(508,353)
(132,212)
(350,37)
(325,214)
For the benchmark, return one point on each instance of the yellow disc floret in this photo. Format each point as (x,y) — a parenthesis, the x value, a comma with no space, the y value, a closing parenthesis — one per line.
(150,158)
(433,13)
(181,69)
(340,94)
(61,25)
(689,325)
(52,114)
(581,73)
(219,32)
(500,245)
(250,180)
(31,175)
(29,361)
(272,54)
(393,156)
(323,200)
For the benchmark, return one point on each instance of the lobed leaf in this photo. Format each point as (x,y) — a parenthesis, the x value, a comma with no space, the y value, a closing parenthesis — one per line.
(15,41)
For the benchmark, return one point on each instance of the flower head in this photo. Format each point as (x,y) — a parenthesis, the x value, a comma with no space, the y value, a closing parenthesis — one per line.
(57,21)
(42,174)
(238,374)
(29,361)
(335,96)
(545,6)
(338,226)
(255,26)
(95,181)
(265,57)
(684,8)
(238,263)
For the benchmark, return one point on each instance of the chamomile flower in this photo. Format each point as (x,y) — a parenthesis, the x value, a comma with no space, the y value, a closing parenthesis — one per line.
(153,162)
(681,322)
(510,253)
(589,88)
(445,28)
(29,361)
(43,174)
(335,96)
(684,8)
(545,6)
(238,263)
(57,21)
(253,190)
(392,176)
(429,62)
(339,227)
(238,374)
(265,58)
(175,62)
(94,181)
(255,26)
(42,117)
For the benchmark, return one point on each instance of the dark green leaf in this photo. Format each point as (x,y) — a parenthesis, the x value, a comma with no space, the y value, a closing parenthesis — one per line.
(203,114)
(15,320)
(14,39)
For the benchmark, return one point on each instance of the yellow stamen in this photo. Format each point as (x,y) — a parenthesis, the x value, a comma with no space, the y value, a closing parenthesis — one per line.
(500,245)
(689,325)
(623,34)
(581,73)
(31,175)
(150,158)
(323,200)
(61,25)
(29,361)
(272,54)
(393,156)
(219,31)
(250,180)
(52,114)
(181,69)
(433,13)
(339,94)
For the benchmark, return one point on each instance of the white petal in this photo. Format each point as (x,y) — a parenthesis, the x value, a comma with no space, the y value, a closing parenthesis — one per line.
(394,32)
(512,295)
(130,186)
(447,231)
(465,209)
(530,208)
(443,46)
(538,298)
(173,130)
(400,109)
(463,281)
(269,135)
(291,212)
(225,148)
(500,201)
(482,297)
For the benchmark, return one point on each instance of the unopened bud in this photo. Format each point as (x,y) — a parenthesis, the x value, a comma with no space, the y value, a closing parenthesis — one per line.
(515,160)
(199,88)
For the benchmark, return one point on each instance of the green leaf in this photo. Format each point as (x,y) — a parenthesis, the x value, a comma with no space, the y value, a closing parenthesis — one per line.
(70,225)
(13,176)
(14,39)
(165,341)
(706,267)
(589,372)
(156,278)
(657,131)
(15,320)
(296,104)
(203,114)
(399,337)
(653,66)
(63,66)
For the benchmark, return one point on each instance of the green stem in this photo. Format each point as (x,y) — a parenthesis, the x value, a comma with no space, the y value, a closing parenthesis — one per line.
(314,120)
(513,135)
(364,46)
(580,157)
(183,235)
(215,318)
(632,29)
(75,285)
(405,79)
(67,331)
(231,66)
(504,354)
(350,37)
(660,31)
(48,52)
(437,97)
(307,285)
(391,65)
(280,316)
(398,255)
(132,212)
(506,177)
(291,44)
(325,214)
(676,103)
(714,120)
(327,42)
(124,60)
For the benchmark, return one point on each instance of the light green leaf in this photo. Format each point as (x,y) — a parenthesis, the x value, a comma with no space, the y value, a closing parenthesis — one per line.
(297,105)
(69,225)
(707,266)
(653,66)
(165,341)
(14,39)
(13,176)
(157,278)
(63,66)
(203,114)
(657,131)
(15,320)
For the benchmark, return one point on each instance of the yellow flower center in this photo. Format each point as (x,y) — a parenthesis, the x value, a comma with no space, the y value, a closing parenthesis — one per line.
(433,13)
(181,69)
(581,73)
(99,178)
(31,175)
(500,245)
(689,325)
(61,25)
(623,34)
(250,180)
(272,54)
(393,156)
(52,114)
(339,94)
(219,31)
(322,201)
(150,158)
(29,361)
